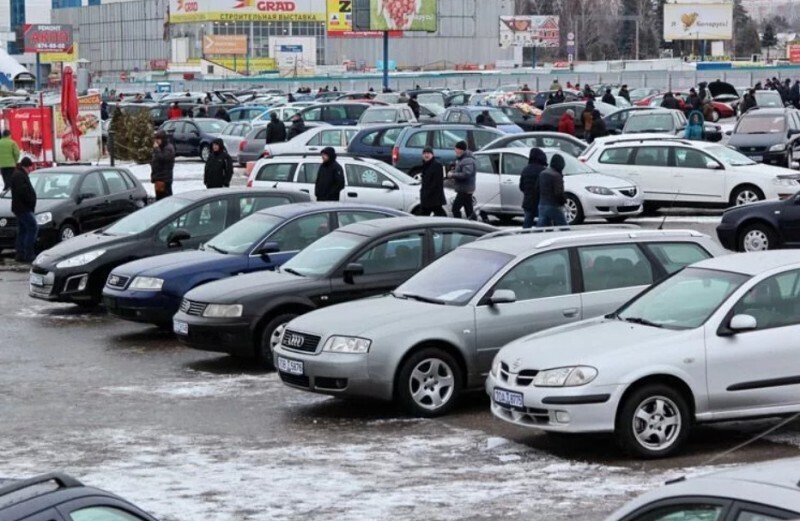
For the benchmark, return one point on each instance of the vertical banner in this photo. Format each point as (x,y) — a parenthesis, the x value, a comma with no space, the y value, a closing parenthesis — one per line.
(32,129)
(88,125)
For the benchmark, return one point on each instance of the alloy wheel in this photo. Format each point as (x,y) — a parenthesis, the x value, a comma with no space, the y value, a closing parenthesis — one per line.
(657,423)
(67,233)
(275,338)
(746,197)
(432,383)
(570,210)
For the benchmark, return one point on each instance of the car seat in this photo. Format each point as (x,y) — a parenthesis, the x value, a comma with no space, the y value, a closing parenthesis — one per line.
(600,275)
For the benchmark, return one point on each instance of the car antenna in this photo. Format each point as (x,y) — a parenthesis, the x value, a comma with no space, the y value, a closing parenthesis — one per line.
(671,206)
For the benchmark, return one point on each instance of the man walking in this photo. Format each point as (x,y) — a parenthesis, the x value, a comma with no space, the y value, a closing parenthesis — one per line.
(551,194)
(431,192)
(464,177)
(9,157)
(23,206)
(330,177)
(162,165)
(276,130)
(413,104)
(219,167)
(529,185)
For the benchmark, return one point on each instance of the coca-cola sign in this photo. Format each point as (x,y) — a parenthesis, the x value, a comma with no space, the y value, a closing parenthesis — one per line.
(48,38)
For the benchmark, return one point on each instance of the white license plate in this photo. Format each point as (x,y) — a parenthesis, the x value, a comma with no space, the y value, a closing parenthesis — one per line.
(508,398)
(757,158)
(180,328)
(290,366)
(37,280)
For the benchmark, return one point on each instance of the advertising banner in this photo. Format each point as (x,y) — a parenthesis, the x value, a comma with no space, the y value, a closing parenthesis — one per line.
(793,53)
(698,21)
(404,15)
(32,129)
(529,31)
(190,11)
(48,38)
(60,57)
(225,44)
(88,125)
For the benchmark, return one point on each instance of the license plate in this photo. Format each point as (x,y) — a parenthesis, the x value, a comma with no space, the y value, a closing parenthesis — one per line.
(37,280)
(180,328)
(508,398)
(757,158)
(290,366)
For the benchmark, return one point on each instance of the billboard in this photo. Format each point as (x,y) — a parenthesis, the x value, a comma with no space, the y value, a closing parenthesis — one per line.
(698,21)
(340,22)
(403,15)
(225,44)
(88,124)
(60,57)
(48,38)
(529,31)
(32,129)
(191,11)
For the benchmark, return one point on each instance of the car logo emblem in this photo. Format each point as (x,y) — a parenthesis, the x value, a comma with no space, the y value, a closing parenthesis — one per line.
(517,363)
(3,222)
(294,340)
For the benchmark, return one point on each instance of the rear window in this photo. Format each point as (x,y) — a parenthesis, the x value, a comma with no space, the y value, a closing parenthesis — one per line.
(649,122)
(677,255)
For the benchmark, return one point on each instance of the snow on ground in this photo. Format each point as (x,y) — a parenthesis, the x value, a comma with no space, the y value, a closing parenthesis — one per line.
(186,176)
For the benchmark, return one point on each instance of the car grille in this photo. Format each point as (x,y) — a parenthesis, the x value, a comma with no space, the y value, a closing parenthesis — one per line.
(752,150)
(117,281)
(523,378)
(629,192)
(190,307)
(524,416)
(300,342)
(296,380)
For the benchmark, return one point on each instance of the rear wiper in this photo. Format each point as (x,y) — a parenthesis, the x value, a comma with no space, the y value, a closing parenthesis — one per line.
(218,250)
(422,298)
(642,321)
(293,272)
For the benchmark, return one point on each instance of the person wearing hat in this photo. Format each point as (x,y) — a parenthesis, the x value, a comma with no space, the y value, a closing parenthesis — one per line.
(23,206)
(330,177)
(464,176)
(431,192)
(297,127)
(161,165)
(551,194)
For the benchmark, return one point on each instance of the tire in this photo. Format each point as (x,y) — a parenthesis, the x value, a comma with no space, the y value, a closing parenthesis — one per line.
(429,383)
(746,194)
(66,232)
(573,210)
(653,422)
(757,237)
(205,153)
(617,220)
(269,337)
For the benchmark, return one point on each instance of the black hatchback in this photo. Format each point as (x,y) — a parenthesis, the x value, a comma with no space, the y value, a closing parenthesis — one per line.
(76,271)
(73,200)
(770,136)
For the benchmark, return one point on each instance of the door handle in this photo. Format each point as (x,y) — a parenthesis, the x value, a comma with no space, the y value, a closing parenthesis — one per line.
(509,182)
(570,312)
(352,194)
(313,148)
(305,191)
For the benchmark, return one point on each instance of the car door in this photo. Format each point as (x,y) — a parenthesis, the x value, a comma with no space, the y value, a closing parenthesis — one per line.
(192,138)
(121,197)
(307,177)
(444,143)
(384,143)
(543,287)
(697,177)
(94,209)
(758,369)
(202,221)
(511,167)
(652,172)
(487,182)
(366,184)
(292,236)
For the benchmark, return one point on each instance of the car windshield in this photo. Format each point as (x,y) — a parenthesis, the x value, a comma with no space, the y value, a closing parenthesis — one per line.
(147,217)
(497,115)
(323,255)
(210,127)
(730,156)
(683,301)
(379,116)
(768,99)
(761,124)
(436,98)
(242,236)
(455,278)
(437,110)
(649,122)
(51,185)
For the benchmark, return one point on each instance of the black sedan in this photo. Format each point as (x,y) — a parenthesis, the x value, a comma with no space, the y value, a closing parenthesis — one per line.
(73,200)
(193,137)
(75,271)
(246,315)
(761,226)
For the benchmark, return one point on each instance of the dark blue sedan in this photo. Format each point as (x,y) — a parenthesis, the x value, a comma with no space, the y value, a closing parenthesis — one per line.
(150,290)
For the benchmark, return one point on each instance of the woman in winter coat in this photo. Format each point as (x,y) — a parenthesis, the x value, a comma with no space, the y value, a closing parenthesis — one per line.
(696,130)
(566,125)
(529,185)
(219,167)
(598,125)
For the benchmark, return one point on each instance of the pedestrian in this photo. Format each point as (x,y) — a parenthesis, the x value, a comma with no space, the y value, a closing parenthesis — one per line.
(219,167)
(529,185)
(223,115)
(525,88)
(485,119)
(551,194)
(174,111)
(555,85)
(9,157)
(23,206)
(464,175)
(748,102)
(624,93)
(598,125)
(694,100)
(290,98)
(566,125)
(413,104)
(588,93)
(330,177)
(587,120)
(794,95)
(202,112)
(104,110)
(609,98)
(297,127)
(162,164)
(276,130)
(558,97)
(695,131)
(148,96)
(431,192)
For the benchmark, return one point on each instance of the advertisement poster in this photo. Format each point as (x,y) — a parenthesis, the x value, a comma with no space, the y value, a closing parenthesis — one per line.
(88,125)
(698,21)
(402,15)
(529,31)
(32,129)
(194,11)
(793,53)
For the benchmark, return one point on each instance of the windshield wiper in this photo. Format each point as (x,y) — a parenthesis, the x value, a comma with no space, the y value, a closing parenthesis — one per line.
(293,272)
(423,298)
(642,321)
(218,250)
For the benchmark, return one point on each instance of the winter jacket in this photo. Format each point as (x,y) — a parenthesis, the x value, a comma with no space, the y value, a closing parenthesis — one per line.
(747,103)
(23,196)
(694,102)
(609,98)
(9,153)
(529,179)
(794,94)
(695,131)
(414,106)
(486,121)
(431,192)
(465,173)
(566,124)
(219,167)
(587,120)
(330,178)
(598,126)
(163,162)
(297,127)
(624,93)
(276,131)
(551,183)
(669,102)
(174,113)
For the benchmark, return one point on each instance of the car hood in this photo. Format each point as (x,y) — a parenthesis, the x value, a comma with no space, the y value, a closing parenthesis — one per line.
(756,140)
(717,88)
(761,208)
(180,261)
(42,205)
(82,244)
(579,181)
(249,287)
(762,170)
(510,128)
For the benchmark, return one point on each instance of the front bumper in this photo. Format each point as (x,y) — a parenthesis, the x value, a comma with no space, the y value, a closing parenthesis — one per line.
(148,307)
(769,158)
(727,233)
(75,285)
(611,205)
(233,336)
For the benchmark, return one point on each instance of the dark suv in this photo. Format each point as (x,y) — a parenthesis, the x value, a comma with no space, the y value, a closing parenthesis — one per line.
(769,136)
(407,151)
(376,141)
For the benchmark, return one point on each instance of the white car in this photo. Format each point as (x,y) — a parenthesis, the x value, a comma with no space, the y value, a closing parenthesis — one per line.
(233,136)
(314,140)
(690,173)
(588,193)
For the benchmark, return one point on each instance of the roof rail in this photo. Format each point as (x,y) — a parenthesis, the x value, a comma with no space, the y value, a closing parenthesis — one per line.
(552,229)
(61,479)
(641,139)
(569,239)
(317,154)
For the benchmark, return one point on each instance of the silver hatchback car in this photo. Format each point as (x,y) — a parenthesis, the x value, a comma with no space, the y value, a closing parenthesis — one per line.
(436,335)
(716,341)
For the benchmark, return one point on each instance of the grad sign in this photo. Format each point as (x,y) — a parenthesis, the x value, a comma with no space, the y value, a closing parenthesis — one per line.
(48,38)
(190,11)
(698,21)
(403,15)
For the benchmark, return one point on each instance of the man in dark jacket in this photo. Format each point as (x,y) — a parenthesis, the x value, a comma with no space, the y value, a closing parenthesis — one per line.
(624,93)
(598,125)
(23,206)
(669,101)
(464,175)
(529,185)
(219,167)
(551,194)
(694,101)
(794,94)
(748,102)
(161,165)
(297,127)
(558,97)
(485,119)
(413,104)
(223,115)
(431,192)
(330,177)
(276,130)
(609,98)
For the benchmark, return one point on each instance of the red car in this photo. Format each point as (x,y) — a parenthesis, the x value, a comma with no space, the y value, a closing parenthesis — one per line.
(720,109)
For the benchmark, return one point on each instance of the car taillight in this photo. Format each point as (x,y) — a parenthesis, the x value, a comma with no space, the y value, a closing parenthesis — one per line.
(241,145)
(395,155)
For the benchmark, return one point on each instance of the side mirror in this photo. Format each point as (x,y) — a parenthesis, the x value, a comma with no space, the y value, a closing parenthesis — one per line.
(389,185)
(741,323)
(502,296)
(86,195)
(351,271)
(176,237)
(267,248)
(728,132)
(713,165)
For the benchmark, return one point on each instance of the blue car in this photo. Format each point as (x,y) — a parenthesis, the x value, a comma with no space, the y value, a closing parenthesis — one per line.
(469,114)
(150,290)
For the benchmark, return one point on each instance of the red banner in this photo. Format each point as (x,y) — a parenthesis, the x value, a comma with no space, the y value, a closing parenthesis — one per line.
(794,53)
(32,129)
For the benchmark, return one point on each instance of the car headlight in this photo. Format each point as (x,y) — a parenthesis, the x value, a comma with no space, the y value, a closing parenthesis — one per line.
(565,377)
(44,218)
(495,370)
(781,180)
(347,344)
(777,148)
(223,311)
(147,283)
(80,260)
(599,190)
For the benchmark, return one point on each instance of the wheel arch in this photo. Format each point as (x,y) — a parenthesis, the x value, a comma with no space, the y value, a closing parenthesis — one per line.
(670,380)
(298,307)
(740,186)
(445,346)
(758,219)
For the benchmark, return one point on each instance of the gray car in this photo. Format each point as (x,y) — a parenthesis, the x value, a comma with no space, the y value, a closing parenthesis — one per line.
(254,142)
(437,334)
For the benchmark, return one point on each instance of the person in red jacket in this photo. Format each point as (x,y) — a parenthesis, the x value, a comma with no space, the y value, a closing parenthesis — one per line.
(566,124)
(174,112)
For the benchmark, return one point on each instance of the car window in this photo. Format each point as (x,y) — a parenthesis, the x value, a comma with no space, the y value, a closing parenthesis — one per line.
(690,158)
(747,515)
(369,138)
(314,114)
(261,135)
(329,138)
(364,176)
(169,126)
(248,205)
(202,221)
(488,163)
(453,117)
(611,267)
(561,144)
(691,512)
(541,276)
(353,216)
(277,172)
(616,156)
(92,184)
(308,173)
(514,164)
(299,233)
(417,140)
(447,139)
(397,254)
(482,138)
(337,113)
(51,185)
(102,513)
(114,181)
(676,256)
(447,241)
(129,182)
(389,137)
(772,301)
(652,156)
(354,111)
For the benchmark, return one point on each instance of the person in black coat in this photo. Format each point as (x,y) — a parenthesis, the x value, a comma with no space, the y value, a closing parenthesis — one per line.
(330,177)
(276,130)
(794,94)
(598,125)
(609,98)
(223,115)
(624,93)
(485,119)
(529,185)
(161,165)
(431,192)
(669,102)
(219,167)
(413,104)
(297,127)
(23,206)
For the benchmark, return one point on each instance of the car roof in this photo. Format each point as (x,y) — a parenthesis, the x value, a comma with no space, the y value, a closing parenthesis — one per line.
(656,110)
(74,169)
(295,209)
(753,264)
(198,195)
(397,224)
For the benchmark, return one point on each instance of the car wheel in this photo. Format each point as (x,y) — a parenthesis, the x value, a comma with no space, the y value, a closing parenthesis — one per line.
(66,232)
(271,335)
(429,383)
(757,237)
(205,152)
(745,195)
(714,116)
(573,210)
(619,219)
(653,422)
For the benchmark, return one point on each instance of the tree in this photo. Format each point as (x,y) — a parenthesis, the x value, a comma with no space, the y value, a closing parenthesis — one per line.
(745,32)
(768,39)
(120,122)
(778,22)
(140,137)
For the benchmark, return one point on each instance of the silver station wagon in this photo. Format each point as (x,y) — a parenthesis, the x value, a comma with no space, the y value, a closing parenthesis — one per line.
(436,335)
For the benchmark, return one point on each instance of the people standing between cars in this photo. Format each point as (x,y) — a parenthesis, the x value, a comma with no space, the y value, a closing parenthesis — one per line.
(569,85)
(525,88)
(330,177)
(223,115)
(598,125)
(587,120)
(529,185)
(276,130)
(669,101)
(413,104)
(555,85)
(148,96)
(9,157)
(748,102)
(696,127)
(566,125)
(23,206)
(624,93)
(104,111)
(609,98)
(551,194)
(485,119)
(174,111)
(588,93)
(202,112)
(694,100)
(431,192)
(162,165)
(297,127)
(219,167)
(794,95)
(558,97)
(463,175)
